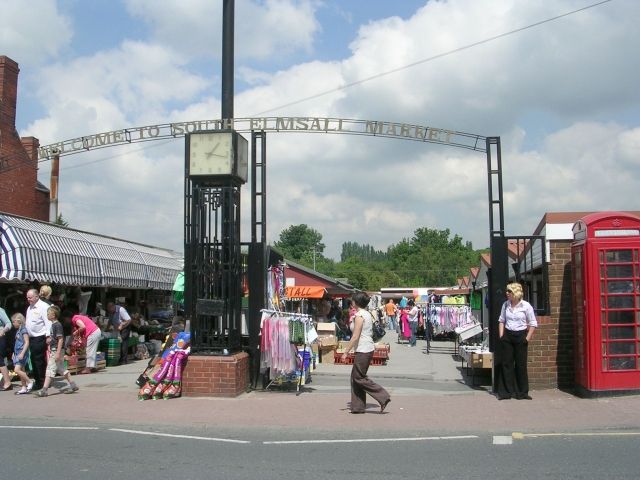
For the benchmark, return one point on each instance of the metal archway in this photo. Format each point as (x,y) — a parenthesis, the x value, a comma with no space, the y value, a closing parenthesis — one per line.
(260,126)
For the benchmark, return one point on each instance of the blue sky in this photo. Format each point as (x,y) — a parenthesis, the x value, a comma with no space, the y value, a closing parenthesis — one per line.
(561,95)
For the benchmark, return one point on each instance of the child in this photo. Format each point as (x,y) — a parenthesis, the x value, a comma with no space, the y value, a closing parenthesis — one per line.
(56,362)
(21,353)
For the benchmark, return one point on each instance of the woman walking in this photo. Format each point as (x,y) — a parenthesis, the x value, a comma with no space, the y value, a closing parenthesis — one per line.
(364,347)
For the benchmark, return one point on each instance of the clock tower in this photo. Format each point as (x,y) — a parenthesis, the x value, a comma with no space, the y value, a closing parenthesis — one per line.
(216,166)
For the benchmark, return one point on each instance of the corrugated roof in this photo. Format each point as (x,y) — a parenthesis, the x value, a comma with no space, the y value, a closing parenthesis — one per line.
(31,250)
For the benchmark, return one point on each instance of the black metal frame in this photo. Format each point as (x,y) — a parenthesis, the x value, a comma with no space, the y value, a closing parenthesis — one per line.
(213,270)
(498,274)
(260,256)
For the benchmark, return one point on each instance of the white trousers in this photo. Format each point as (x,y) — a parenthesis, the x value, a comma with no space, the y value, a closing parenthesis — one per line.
(92,348)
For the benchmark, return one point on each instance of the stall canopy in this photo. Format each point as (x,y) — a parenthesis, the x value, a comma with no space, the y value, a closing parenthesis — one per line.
(31,250)
(305,291)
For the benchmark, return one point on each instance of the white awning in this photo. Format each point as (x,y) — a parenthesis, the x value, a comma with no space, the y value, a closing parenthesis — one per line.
(31,250)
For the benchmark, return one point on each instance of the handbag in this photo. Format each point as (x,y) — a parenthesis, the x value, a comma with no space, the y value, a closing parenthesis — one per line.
(377,331)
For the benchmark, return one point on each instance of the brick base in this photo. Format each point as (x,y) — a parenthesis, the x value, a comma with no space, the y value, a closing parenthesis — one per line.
(219,376)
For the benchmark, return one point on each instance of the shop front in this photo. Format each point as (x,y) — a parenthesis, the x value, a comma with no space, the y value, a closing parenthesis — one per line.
(84,270)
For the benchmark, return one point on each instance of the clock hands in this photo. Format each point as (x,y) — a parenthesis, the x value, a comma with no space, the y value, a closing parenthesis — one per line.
(213,153)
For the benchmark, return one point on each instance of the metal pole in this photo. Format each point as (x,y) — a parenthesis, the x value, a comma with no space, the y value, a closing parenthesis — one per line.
(228,9)
(498,274)
(53,191)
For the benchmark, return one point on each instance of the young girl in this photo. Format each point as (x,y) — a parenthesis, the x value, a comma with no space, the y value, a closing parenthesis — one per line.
(21,353)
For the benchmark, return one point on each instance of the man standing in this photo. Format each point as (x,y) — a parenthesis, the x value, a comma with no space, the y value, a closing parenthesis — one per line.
(391,310)
(121,323)
(38,327)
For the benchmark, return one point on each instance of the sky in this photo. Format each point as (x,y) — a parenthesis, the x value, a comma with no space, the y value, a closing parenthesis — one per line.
(561,93)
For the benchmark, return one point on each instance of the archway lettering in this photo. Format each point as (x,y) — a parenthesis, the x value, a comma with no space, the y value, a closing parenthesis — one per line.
(330,125)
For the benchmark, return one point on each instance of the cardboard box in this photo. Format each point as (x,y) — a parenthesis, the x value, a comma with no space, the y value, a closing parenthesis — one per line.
(327,334)
(326,328)
(327,354)
(481,360)
(328,341)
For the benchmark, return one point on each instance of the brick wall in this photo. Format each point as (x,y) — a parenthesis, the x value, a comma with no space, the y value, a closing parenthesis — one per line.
(219,376)
(551,349)
(19,191)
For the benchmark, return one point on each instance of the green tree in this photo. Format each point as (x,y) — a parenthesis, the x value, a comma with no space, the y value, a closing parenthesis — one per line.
(298,242)
(363,252)
(429,258)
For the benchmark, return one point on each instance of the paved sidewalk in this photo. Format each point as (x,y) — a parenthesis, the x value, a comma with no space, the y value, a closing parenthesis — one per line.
(429,394)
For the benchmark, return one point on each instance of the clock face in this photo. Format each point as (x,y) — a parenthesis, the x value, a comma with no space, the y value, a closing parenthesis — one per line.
(210,153)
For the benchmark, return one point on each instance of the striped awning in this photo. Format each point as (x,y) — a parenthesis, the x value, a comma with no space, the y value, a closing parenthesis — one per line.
(31,250)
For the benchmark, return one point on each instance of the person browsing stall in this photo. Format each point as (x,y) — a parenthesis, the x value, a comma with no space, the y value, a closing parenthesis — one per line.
(121,322)
(392,311)
(362,341)
(84,327)
(413,316)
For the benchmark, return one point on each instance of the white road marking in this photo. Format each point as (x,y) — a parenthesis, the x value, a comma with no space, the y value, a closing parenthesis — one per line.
(189,437)
(28,427)
(360,440)
(502,440)
(519,435)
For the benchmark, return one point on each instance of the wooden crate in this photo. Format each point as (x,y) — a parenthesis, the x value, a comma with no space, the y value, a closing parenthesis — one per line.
(378,359)
(75,363)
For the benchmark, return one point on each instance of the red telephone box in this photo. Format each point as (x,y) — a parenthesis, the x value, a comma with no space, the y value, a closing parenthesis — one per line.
(606,302)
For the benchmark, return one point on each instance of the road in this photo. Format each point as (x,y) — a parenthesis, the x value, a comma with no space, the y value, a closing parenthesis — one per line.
(115,451)
(437,426)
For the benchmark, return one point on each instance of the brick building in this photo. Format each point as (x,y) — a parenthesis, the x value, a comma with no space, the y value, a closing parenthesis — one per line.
(551,352)
(20,192)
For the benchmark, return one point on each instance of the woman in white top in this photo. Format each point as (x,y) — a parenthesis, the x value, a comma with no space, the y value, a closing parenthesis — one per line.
(516,327)
(363,342)
(413,321)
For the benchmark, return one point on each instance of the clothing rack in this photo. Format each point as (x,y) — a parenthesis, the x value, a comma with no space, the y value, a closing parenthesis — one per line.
(435,312)
(266,358)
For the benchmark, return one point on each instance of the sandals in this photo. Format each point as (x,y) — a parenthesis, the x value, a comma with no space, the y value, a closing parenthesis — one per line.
(6,389)
(22,391)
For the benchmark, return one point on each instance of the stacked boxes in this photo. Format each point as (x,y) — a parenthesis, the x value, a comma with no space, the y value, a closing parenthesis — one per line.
(111,347)
(327,341)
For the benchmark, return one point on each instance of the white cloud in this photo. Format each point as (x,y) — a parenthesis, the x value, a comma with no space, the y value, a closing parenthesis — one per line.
(34,33)
(263,29)
(113,89)
(561,96)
